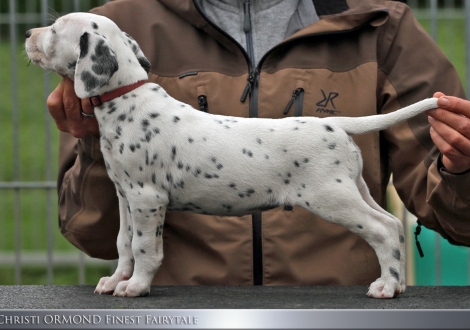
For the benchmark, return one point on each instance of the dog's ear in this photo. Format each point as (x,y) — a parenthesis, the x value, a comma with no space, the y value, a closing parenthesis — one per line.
(96,65)
(130,42)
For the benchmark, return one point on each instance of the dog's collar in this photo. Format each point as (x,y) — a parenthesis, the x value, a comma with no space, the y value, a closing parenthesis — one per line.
(98,100)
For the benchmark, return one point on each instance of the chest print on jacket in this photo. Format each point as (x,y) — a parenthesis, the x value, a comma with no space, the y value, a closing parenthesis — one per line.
(164,155)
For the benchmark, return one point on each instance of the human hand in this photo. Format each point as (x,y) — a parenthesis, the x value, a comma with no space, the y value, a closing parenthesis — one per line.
(66,109)
(450,131)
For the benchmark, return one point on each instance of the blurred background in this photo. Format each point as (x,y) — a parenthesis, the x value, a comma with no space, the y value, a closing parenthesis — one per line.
(32,251)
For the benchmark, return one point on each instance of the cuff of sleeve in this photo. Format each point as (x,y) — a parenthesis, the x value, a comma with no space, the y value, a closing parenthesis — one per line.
(458,183)
(91,146)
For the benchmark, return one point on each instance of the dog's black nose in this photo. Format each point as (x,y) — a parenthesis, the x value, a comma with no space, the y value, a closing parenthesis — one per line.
(28,34)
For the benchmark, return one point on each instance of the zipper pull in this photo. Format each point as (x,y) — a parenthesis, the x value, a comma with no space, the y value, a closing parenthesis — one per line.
(246,18)
(202,100)
(294,97)
(251,80)
(246,91)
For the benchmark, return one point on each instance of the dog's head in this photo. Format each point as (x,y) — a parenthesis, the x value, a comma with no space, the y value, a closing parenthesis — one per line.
(91,50)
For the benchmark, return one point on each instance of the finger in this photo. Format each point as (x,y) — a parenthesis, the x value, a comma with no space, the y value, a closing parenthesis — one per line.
(93,127)
(451,137)
(454,120)
(72,104)
(438,95)
(455,104)
(55,104)
(453,160)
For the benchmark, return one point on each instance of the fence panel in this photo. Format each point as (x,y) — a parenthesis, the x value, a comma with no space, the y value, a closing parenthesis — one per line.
(29,238)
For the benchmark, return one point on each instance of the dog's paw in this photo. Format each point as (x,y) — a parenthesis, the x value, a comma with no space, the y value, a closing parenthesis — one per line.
(107,284)
(132,288)
(385,289)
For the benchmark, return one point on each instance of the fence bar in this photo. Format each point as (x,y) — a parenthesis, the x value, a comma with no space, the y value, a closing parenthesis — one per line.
(28,185)
(467,45)
(437,239)
(16,144)
(81,259)
(467,75)
(48,152)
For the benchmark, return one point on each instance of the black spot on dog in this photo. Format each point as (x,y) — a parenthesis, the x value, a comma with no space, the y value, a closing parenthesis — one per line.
(307,203)
(396,254)
(259,141)
(154,179)
(84,45)
(121,148)
(145,124)
(154,115)
(296,163)
(232,185)
(394,273)
(190,140)
(104,62)
(122,117)
(132,147)
(141,184)
(144,63)
(359,226)
(286,181)
(219,166)
(338,180)
(180,165)
(328,128)
(90,81)
(94,25)
(139,233)
(173,153)
(337,162)
(176,119)
(332,146)
(402,239)
(142,251)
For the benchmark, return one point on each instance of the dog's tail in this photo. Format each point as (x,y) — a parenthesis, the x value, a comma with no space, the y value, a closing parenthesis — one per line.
(362,125)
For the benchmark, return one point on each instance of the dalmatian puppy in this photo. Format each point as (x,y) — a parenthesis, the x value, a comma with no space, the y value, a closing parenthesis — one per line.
(164,155)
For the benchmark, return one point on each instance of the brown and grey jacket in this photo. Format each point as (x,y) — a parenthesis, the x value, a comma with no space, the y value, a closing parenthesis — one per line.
(360,58)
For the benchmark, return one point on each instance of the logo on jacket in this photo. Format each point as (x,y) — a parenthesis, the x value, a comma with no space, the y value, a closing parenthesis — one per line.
(327,105)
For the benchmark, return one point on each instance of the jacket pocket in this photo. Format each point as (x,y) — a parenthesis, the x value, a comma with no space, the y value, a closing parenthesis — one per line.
(296,102)
(202,99)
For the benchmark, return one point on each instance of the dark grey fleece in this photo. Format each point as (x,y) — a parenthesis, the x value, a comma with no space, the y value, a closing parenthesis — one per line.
(271,20)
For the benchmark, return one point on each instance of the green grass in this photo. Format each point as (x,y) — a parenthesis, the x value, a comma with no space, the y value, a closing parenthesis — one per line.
(32,150)
(62,275)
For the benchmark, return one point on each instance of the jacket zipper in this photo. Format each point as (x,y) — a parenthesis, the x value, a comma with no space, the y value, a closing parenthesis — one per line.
(297,99)
(252,89)
(202,101)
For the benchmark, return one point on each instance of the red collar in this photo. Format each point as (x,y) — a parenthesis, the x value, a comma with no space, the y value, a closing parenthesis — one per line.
(98,100)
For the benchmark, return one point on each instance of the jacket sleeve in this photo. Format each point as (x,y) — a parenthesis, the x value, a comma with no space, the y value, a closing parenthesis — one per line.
(411,68)
(88,204)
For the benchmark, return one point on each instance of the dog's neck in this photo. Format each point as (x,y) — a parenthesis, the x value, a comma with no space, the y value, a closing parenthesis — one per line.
(98,100)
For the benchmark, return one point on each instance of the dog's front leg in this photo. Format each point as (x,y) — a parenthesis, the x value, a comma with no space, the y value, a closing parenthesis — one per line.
(124,243)
(147,248)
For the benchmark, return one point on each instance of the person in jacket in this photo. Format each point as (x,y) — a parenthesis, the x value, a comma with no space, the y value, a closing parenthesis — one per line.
(276,59)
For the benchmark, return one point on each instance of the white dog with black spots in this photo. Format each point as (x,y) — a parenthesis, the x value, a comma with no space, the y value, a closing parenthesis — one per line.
(164,155)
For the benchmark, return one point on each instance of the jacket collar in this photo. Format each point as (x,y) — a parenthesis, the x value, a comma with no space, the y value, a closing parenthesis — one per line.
(335,15)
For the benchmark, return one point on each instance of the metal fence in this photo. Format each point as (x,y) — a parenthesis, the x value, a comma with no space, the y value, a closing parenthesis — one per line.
(27,192)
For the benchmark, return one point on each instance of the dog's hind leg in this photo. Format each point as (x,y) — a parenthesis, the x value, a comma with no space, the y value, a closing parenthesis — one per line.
(345,206)
(126,260)
(364,190)
(147,246)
